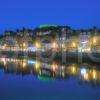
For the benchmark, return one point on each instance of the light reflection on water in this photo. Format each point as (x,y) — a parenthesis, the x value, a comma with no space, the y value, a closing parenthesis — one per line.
(85,73)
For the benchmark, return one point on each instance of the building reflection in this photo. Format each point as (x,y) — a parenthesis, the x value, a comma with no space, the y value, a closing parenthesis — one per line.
(86,74)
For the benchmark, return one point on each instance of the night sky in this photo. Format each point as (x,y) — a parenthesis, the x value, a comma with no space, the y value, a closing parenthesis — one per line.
(32,13)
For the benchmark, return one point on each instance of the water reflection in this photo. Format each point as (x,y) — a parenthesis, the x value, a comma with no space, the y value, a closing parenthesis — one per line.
(86,74)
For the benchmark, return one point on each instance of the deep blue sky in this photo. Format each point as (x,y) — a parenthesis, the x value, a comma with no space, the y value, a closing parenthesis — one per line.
(31,13)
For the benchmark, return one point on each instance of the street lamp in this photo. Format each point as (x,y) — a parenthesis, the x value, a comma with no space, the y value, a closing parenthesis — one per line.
(54,45)
(73,44)
(37,45)
(24,45)
(94,41)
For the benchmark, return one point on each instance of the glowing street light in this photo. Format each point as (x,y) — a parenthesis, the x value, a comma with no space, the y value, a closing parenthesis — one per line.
(54,66)
(37,65)
(86,76)
(73,69)
(37,45)
(94,40)
(24,64)
(54,45)
(24,45)
(94,74)
(73,44)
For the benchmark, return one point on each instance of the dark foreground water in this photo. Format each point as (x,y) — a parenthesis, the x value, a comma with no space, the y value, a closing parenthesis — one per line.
(28,79)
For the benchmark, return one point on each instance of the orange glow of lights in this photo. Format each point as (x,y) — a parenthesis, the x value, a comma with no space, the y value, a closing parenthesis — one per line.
(24,64)
(37,44)
(54,45)
(86,77)
(94,74)
(54,66)
(73,44)
(24,45)
(73,69)
(37,65)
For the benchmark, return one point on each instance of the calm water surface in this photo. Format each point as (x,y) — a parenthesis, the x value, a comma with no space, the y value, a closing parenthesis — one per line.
(29,79)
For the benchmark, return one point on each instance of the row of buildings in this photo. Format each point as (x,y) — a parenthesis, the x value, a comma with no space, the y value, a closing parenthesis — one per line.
(50,37)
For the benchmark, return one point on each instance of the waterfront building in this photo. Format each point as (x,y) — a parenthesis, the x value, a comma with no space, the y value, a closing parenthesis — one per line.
(56,38)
